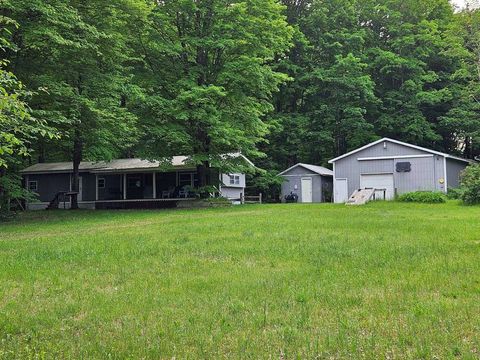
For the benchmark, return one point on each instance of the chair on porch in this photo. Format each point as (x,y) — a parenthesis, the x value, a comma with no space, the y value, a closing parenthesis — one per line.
(167,194)
(184,192)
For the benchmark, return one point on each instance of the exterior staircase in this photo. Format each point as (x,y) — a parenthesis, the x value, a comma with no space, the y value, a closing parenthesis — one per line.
(55,202)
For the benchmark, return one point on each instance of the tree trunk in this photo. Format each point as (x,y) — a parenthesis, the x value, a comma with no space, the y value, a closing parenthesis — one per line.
(3,201)
(77,158)
(468,152)
(203,174)
(41,152)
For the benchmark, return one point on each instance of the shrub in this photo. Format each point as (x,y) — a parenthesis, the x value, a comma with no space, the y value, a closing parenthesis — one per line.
(470,185)
(429,197)
(454,193)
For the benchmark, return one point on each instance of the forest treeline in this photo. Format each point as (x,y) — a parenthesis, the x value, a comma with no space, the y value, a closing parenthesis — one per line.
(280,81)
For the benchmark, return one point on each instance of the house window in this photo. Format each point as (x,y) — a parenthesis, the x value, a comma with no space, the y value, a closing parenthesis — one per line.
(185,179)
(234,179)
(101,183)
(33,185)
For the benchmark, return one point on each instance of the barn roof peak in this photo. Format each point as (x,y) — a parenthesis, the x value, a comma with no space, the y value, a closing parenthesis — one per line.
(400,143)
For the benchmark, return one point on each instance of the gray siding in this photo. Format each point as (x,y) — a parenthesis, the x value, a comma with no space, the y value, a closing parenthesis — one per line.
(426,173)
(376,166)
(226,181)
(299,170)
(420,178)
(50,184)
(113,187)
(231,192)
(290,182)
(439,171)
(454,170)
(88,187)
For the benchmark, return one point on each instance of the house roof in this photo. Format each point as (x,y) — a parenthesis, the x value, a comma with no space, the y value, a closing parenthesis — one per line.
(114,165)
(400,143)
(320,170)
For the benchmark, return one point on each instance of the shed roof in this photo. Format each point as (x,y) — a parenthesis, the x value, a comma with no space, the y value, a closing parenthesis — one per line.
(114,165)
(320,170)
(400,143)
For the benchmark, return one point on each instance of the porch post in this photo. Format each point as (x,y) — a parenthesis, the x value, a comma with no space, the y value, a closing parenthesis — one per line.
(96,187)
(124,186)
(154,185)
(27,187)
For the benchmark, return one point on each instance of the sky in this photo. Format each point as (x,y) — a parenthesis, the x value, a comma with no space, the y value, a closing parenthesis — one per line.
(460,3)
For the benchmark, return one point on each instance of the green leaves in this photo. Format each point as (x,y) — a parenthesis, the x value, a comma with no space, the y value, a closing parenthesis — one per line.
(18,129)
(210,68)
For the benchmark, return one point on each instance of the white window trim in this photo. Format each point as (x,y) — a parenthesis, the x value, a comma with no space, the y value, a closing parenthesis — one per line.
(33,182)
(234,179)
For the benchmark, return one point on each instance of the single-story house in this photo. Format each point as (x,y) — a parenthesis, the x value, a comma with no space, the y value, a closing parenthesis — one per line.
(124,183)
(311,183)
(396,167)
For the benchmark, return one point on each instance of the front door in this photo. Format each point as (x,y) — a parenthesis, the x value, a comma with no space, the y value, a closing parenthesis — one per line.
(307,196)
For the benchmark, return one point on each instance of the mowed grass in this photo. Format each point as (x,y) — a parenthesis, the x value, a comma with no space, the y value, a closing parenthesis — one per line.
(386,280)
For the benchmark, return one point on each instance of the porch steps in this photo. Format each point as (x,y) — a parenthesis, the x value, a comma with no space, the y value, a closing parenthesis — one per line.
(53,204)
(361,197)
(59,197)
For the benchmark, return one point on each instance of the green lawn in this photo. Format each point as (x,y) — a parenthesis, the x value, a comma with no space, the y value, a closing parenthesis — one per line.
(386,280)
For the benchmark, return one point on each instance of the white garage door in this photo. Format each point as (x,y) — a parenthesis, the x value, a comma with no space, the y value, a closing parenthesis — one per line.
(379,181)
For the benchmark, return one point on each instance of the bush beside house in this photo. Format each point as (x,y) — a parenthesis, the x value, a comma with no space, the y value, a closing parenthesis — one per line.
(428,197)
(470,185)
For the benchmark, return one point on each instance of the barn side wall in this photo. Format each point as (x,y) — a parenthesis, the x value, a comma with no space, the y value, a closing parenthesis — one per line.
(454,170)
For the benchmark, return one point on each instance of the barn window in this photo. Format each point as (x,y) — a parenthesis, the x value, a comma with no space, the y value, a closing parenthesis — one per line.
(33,185)
(101,183)
(404,166)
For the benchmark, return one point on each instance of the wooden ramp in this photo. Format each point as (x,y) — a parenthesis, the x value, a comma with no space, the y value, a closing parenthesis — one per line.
(361,196)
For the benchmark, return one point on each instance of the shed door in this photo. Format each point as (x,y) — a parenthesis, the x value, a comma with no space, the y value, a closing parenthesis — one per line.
(340,188)
(379,181)
(307,196)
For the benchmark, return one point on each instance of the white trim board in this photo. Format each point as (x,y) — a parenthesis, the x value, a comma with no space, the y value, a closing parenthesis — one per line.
(395,157)
(302,175)
(377,173)
(400,143)
(445,180)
